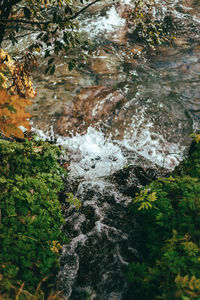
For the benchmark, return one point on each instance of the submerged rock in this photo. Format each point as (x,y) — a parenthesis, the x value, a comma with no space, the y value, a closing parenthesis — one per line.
(103,62)
(92,106)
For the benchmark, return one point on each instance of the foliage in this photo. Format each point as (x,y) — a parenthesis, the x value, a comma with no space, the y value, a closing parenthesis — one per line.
(53,23)
(73,201)
(148,28)
(13,115)
(170,262)
(15,78)
(196,137)
(145,199)
(16,74)
(30,234)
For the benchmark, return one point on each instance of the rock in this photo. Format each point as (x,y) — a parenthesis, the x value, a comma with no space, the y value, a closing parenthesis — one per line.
(95,105)
(191,6)
(130,179)
(104,62)
(181,42)
(99,6)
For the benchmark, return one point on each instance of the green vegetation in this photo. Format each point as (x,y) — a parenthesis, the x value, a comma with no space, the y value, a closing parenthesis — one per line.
(54,23)
(74,201)
(148,29)
(169,213)
(30,219)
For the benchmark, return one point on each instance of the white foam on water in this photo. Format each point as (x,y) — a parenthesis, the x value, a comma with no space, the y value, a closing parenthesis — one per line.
(92,155)
(144,139)
(105,24)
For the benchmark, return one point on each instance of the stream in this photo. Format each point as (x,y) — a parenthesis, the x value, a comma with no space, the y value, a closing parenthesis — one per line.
(125,117)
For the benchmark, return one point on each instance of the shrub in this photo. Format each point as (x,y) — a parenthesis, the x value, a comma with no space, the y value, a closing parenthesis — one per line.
(169,211)
(30,234)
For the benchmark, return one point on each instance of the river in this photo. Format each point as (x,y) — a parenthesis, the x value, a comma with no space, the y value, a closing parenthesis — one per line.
(124,116)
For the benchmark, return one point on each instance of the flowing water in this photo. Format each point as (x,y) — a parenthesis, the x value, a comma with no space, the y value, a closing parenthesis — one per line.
(147,102)
(103,234)
(125,117)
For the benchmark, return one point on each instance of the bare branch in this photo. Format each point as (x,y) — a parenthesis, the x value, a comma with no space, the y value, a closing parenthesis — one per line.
(3,20)
(22,35)
(82,10)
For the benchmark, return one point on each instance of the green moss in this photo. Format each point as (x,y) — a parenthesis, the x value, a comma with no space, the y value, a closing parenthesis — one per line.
(30,234)
(170,246)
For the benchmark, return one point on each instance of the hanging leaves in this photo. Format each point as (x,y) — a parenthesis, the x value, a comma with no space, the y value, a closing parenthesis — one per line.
(15,87)
(13,115)
(148,27)
(15,76)
(6,67)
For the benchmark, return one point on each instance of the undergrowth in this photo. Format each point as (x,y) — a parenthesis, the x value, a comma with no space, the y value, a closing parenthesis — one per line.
(30,220)
(169,213)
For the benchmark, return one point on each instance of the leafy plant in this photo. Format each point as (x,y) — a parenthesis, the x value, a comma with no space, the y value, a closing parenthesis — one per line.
(73,201)
(170,249)
(15,76)
(53,22)
(145,199)
(30,234)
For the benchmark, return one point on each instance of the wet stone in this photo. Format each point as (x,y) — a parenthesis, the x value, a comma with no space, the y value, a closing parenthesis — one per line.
(91,106)
(104,236)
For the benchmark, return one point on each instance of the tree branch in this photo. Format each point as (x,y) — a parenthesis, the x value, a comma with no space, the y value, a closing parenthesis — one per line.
(3,20)
(23,35)
(82,10)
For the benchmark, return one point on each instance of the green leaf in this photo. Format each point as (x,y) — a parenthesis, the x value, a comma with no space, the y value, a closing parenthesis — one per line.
(50,61)
(47,69)
(71,65)
(47,53)
(52,70)
(27,13)
(65,38)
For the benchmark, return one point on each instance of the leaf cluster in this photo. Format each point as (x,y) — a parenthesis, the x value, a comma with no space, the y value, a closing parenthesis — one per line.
(15,88)
(53,23)
(170,246)
(30,222)
(73,201)
(147,28)
(13,115)
(15,76)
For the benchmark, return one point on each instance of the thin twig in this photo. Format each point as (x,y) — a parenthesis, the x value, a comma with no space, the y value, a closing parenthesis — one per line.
(40,283)
(22,35)
(3,21)
(19,292)
(82,10)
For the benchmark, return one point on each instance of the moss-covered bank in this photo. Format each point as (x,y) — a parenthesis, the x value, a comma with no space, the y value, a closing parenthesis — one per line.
(30,219)
(168,211)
